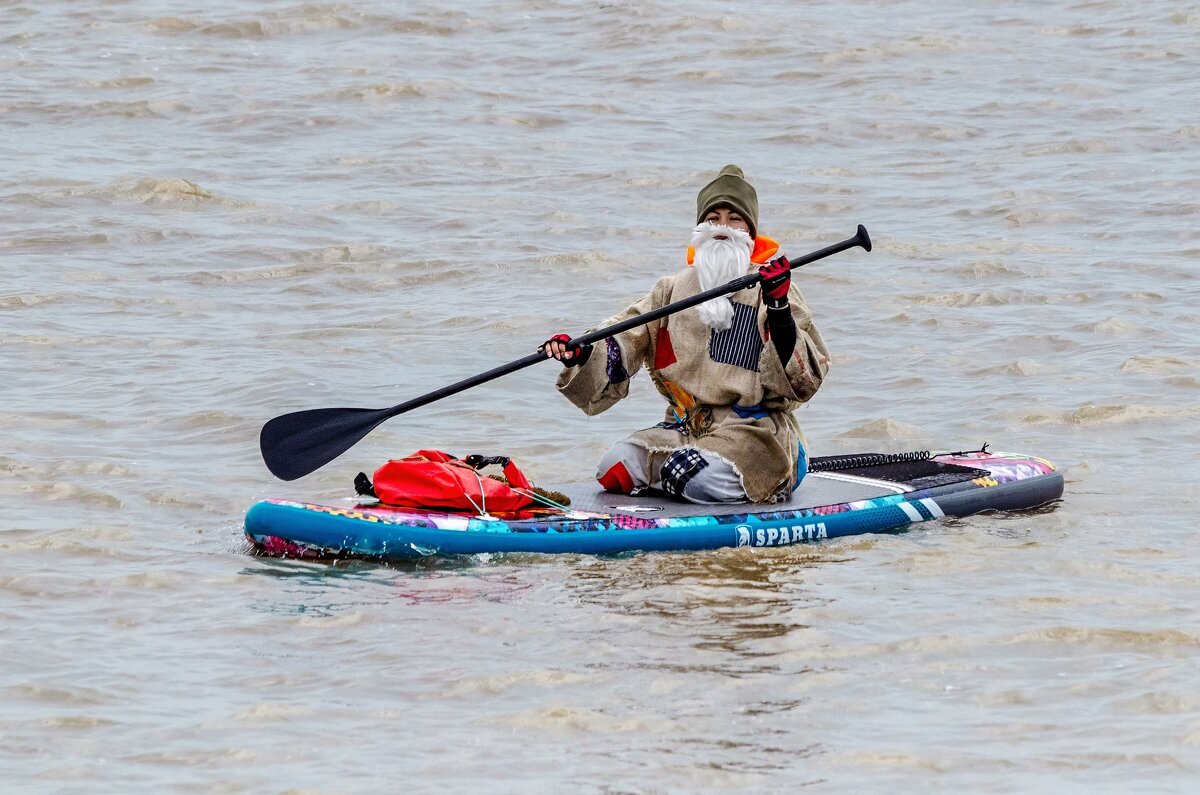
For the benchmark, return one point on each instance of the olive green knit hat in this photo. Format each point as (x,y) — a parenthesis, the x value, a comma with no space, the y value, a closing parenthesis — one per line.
(730,187)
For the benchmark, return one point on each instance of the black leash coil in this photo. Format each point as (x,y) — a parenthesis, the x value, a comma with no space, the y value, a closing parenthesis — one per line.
(834,463)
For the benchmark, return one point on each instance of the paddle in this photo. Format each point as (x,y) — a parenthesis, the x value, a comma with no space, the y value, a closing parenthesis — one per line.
(294,445)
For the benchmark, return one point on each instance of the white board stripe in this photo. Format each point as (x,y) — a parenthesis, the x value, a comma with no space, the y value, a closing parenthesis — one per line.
(933,507)
(912,512)
(895,488)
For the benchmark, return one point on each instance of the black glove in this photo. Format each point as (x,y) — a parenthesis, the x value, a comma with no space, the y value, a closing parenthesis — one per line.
(571,355)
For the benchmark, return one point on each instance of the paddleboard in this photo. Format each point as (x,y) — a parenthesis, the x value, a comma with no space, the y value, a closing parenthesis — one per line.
(840,496)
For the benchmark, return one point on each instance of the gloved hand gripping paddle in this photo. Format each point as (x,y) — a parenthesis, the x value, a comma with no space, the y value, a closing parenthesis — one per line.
(293,445)
(579,353)
(776,279)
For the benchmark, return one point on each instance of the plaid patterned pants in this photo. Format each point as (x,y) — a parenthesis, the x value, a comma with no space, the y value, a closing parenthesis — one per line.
(688,474)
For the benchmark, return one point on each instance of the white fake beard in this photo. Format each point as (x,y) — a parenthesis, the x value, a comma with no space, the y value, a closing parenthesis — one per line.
(718,262)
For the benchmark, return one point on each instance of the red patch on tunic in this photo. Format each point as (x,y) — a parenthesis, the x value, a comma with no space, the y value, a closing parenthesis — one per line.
(664,353)
(617,479)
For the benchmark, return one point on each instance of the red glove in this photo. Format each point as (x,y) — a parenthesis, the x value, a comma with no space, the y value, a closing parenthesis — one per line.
(776,279)
(571,356)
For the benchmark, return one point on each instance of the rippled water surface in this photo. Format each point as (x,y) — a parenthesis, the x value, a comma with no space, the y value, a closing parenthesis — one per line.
(216,213)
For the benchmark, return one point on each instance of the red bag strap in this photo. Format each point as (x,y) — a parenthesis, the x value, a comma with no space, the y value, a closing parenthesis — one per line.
(516,478)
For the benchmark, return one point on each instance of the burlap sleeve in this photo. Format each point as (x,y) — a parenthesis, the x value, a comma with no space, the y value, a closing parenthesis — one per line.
(809,363)
(599,383)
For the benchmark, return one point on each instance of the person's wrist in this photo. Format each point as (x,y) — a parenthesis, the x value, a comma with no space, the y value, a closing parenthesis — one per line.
(582,354)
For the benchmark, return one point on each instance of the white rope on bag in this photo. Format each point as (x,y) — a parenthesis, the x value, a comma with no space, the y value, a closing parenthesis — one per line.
(483,514)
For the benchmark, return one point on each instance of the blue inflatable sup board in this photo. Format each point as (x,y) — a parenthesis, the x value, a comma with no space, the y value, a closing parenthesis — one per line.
(840,496)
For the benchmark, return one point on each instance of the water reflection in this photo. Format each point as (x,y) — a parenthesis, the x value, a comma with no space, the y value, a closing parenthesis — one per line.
(332,586)
(735,601)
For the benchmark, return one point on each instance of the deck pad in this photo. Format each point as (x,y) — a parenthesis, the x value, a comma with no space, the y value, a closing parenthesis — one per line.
(815,490)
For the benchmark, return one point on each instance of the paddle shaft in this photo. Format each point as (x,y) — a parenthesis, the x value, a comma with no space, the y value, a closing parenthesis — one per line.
(595,336)
(741,283)
(295,444)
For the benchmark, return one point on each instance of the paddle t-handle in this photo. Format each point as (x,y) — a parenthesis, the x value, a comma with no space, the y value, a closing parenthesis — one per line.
(296,444)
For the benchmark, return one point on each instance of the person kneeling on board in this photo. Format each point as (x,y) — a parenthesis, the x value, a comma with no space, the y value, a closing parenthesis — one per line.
(732,369)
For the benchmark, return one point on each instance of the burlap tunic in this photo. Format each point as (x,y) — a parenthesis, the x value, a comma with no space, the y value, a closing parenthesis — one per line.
(730,395)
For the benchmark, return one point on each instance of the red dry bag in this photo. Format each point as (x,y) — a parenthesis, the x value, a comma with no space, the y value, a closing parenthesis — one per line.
(434,479)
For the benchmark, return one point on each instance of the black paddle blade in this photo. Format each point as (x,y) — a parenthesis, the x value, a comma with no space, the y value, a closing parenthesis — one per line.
(293,445)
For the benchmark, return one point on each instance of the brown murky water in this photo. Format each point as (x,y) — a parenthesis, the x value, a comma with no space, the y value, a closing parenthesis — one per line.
(216,213)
